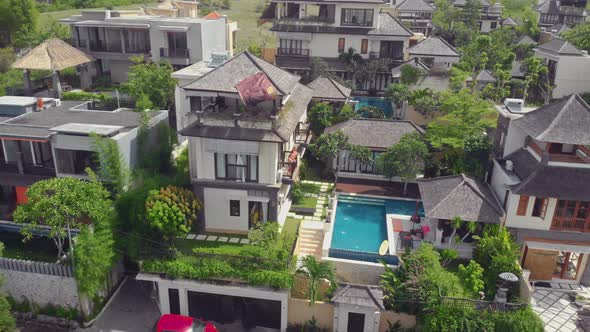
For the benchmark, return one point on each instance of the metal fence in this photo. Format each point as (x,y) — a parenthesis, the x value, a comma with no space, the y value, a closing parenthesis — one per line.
(36,267)
(480,304)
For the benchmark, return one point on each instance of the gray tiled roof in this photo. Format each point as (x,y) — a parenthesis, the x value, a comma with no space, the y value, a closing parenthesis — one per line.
(435,46)
(485,76)
(375,133)
(326,88)
(525,40)
(285,126)
(560,46)
(453,196)
(517,70)
(388,26)
(509,22)
(558,28)
(359,295)
(416,63)
(38,124)
(415,6)
(566,121)
(225,77)
(541,180)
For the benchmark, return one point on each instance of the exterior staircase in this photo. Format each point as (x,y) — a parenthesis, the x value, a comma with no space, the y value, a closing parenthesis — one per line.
(311,238)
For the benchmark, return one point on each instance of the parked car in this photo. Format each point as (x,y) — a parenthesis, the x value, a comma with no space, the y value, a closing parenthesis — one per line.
(178,323)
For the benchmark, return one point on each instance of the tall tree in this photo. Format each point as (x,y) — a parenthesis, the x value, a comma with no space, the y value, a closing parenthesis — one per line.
(444,15)
(471,14)
(405,159)
(62,204)
(354,62)
(20,13)
(316,271)
(320,117)
(579,36)
(536,76)
(153,80)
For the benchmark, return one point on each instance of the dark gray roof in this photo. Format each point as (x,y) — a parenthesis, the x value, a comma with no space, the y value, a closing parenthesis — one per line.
(548,7)
(414,6)
(360,295)
(388,26)
(434,46)
(346,1)
(509,22)
(375,133)
(485,76)
(453,196)
(225,77)
(326,88)
(566,121)
(560,46)
(415,62)
(517,70)
(285,126)
(39,124)
(558,28)
(541,180)
(554,7)
(525,40)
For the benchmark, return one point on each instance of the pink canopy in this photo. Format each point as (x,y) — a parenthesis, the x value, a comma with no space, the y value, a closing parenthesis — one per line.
(256,88)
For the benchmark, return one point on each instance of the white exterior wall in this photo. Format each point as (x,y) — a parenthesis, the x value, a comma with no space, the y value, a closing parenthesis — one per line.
(267,162)
(119,70)
(372,317)
(572,74)
(501,180)
(217,209)
(528,221)
(514,139)
(326,44)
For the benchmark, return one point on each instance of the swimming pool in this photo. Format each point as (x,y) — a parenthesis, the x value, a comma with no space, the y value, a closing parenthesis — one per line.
(360,224)
(382,103)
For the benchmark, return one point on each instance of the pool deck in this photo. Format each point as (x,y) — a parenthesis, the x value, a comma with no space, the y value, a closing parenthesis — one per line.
(377,188)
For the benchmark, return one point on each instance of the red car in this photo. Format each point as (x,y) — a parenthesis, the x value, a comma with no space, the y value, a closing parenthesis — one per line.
(177,323)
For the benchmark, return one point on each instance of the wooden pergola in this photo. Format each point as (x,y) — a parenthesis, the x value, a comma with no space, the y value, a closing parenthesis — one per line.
(53,55)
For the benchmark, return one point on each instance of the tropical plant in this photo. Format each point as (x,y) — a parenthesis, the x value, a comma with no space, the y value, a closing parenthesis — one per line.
(113,167)
(472,275)
(320,117)
(327,147)
(398,93)
(345,113)
(316,271)
(536,76)
(405,159)
(153,80)
(371,112)
(62,204)
(172,211)
(409,75)
(579,35)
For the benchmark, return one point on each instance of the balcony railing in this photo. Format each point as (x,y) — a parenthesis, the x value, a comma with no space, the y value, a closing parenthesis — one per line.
(39,170)
(309,19)
(580,155)
(570,224)
(174,52)
(379,55)
(303,134)
(8,167)
(303,52)
(102,46)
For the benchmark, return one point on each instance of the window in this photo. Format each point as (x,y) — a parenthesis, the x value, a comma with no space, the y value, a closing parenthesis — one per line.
(523,203)
(196,104)
(177,40)
(493,25)
(358,17)
(364,46)
(540,207)
(234,208)
(291,46)
(340,45)
(238,167)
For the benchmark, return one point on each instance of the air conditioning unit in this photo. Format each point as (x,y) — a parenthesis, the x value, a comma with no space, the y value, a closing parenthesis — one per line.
(514,105)
(218,58)
(509,165)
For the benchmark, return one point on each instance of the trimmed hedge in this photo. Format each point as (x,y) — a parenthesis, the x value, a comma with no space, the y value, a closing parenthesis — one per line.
(87,96)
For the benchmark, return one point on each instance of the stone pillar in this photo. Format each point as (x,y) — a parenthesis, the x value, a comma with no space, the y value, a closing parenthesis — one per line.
(164,300)
(56,84)
(183,299)
(284,313)
(27,82)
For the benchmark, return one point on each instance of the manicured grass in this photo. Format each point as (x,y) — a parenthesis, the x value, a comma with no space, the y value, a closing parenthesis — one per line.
(37,249)
(45,18)
(291,226)
(187,246)
(307,202)
(310,188)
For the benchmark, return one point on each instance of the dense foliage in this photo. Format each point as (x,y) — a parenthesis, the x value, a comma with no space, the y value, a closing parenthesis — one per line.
(316,271)
(7,322)
(322,115)
(113,168)
(172,211)
(579,36)
(153,80)
(327,147)
(457,319)
(267,263)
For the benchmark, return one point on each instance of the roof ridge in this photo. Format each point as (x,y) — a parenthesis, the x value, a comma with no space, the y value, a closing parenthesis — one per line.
(447,196)
(397,21)
(249,56)
(214,69)
(558,117)
(336,85)
(476,190)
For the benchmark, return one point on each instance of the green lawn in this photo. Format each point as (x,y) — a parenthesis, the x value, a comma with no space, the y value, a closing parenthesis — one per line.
(243,11)
(310,188)
(307,202)
(37,249)
(185,245)
(291,226)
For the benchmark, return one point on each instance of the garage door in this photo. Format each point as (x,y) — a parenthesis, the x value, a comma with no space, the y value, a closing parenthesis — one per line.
(225,309)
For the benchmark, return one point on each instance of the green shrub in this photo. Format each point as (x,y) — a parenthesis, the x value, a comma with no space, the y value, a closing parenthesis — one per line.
(371,112)
(297,193)
(87,96)
(172,210)
(471,276)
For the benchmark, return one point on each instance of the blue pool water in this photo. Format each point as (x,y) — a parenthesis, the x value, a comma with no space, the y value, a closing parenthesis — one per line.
(360,222)
(382,103)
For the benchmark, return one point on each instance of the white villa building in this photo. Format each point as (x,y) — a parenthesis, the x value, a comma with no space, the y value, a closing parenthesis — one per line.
(172,32)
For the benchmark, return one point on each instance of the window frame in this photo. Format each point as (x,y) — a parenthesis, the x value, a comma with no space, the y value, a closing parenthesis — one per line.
(540,207)
(523,205)
(247,166)
(341,45)
(367,17)
(364,46)
(232,211)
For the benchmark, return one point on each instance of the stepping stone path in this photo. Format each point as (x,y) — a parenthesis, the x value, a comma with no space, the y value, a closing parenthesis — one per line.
(205,237)
(321,202)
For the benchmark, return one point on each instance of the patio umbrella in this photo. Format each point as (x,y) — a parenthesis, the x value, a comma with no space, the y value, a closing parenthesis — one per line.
(53,55)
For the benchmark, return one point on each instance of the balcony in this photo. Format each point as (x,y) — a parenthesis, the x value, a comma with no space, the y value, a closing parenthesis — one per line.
(103,46)
(39,170)
(174,52)
(379,55)
(580,154)
(570,224)
(306,20)
(296,52)
(8,167)
(303,134)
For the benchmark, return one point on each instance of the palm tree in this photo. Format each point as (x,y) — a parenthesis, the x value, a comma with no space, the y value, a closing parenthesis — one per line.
(316,271)
(354,61)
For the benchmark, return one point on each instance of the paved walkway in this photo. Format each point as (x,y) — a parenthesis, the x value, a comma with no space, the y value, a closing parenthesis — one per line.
(133,309)
(205,237)
(321,202)
(556,310)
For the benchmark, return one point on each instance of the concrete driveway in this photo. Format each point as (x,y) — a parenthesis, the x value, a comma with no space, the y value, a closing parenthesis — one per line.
(556,310)
(132,310)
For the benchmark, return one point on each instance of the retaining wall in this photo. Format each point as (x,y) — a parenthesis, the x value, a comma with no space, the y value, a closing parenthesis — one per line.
(300,312)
